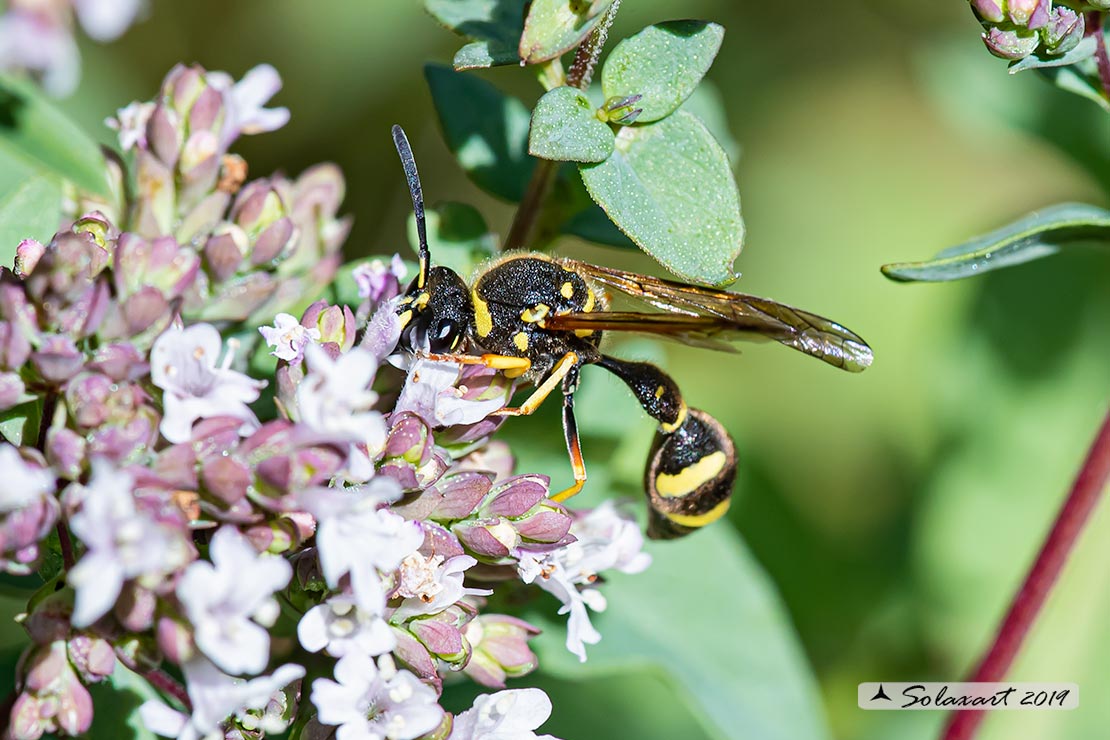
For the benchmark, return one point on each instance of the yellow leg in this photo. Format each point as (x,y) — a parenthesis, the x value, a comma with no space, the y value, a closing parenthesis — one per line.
(514,367)
(574,450)
(562,367)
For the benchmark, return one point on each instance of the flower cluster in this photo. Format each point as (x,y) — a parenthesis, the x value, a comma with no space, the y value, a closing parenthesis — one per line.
(36,36)
(350,512)
(1014,29)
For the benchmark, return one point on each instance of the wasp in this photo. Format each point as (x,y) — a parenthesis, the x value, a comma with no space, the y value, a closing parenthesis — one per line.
(542,319)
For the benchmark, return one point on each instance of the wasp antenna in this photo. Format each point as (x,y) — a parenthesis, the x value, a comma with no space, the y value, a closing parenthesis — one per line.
(409,163)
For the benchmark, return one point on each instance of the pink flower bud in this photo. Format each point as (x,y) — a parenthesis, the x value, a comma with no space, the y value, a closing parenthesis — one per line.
(57,359)
(442,640)
(549,525)
(175,640)
(460,494)
(517,496)
(488,539)
(27,255)
(226,478)
(65,450)
(92,657)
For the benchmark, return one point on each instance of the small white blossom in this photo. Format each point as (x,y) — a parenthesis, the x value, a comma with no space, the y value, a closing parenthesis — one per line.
(230,601)
(430,392)
(606,541)
(244,101)
(121,542)
(33,41)
(430,585)
(106,20)
(183,364)
(288,337)
(377,281)
(21,483)
(215,696)
(339,626)
(513,714)
(355,537)
(375,702)
(130,123)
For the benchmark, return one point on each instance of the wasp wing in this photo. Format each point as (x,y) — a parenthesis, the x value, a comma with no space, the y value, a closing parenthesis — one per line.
(707,317)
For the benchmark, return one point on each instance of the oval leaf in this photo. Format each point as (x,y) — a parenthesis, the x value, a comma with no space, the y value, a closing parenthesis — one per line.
(486,130)
(565,128)
(554,27)
(457,236)
(495,26)
(719,634)
(663,63)
(38,132)
(32,210)
(668,186)
(1039,234)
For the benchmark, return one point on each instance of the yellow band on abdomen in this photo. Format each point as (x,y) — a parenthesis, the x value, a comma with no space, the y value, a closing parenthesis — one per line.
(700,520)
(687,480)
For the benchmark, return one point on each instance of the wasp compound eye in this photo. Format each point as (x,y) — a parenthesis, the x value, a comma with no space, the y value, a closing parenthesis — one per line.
(444,336)
(689,477)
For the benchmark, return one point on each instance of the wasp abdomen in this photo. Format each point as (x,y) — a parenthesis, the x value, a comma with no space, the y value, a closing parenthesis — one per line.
(689,477)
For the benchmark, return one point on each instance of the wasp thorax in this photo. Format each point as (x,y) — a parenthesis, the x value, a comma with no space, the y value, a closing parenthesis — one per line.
(689,476)
(435,312)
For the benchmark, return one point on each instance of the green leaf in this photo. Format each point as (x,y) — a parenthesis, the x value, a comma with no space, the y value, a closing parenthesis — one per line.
(495,26)
(1085,49)
(41,134)
(457,236)
(21,423)
(486,130)
(1039,234)
(663,63)
(707,103)
(554,27)
(30,211)
(1084,83)
(565,128)
(117,703)
(668,186)
(707,619)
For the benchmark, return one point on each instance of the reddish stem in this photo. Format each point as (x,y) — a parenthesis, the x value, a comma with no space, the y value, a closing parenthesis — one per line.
(1074,514)
(166,683)
(1095,23)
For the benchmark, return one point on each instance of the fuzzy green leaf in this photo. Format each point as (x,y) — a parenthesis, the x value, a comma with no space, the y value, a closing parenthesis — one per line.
(494,25)
(30,211)
(707,103)
(485,129)
(566,129)
(705,618)
(1039,234)
(457,236)
(1085,49)
(117,701)
(35,130)
(668,186)
(20,424)
(554,27)
(663,63)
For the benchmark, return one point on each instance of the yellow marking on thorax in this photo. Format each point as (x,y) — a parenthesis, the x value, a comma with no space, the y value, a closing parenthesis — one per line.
(520,339)
(590,300)
(700,520)
(567,290)
(405,318)
(668,428)
(422,300)
(535,314)
(483,321)
(687,480)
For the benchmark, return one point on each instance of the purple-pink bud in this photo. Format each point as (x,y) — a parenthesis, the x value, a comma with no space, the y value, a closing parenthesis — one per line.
(1013,44)
(164,135)
(460,494)
(92,657)
(501,649)
(11,390)
(14,346)
(412,654)
(175,640)
(119,362)
(988,10)
(441,639)
(545,526)
(27,255)
(57,359)
(489,539)
(438,541)
(226,478)
(65,451)
(1063,32)
(223,253)
(273,242)
(516,496)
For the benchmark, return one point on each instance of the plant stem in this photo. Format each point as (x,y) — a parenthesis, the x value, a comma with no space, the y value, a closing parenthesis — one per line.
(1074,514)
(543,177)
(166,683)
(1095,22)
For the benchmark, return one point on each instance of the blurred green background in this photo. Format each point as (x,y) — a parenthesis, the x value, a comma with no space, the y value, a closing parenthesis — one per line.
(895,511)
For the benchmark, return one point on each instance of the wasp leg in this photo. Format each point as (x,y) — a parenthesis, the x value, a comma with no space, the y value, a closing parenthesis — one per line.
(574,450)
(514,367)
(558,373)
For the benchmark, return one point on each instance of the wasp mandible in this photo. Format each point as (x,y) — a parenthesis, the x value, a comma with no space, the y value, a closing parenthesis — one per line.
(542,318)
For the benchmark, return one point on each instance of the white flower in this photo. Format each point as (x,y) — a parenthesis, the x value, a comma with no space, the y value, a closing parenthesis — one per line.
(507,715)
(606,541)
(121,543)
(106,20)
(215,696)
(21,483)
(430,585)
(230,601)
(131,123)
(431,393)
(355,537)
(339,626)
(377,281)
(244,101)
(288,337)
(183,364)
(375,702)
(31,41)
(334,401)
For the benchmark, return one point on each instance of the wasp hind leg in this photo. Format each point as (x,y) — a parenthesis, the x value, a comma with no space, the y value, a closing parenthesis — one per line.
(692,465)
(574,450)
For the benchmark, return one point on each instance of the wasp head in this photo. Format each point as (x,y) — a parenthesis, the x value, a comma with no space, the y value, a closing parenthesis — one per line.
(435,312)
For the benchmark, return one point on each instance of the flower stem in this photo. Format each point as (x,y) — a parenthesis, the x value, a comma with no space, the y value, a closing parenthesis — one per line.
(543,176)
(1074,514)
(166,683)
(1095,22)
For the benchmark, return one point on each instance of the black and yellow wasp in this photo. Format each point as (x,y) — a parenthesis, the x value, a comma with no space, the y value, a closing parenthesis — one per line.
(542,318)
